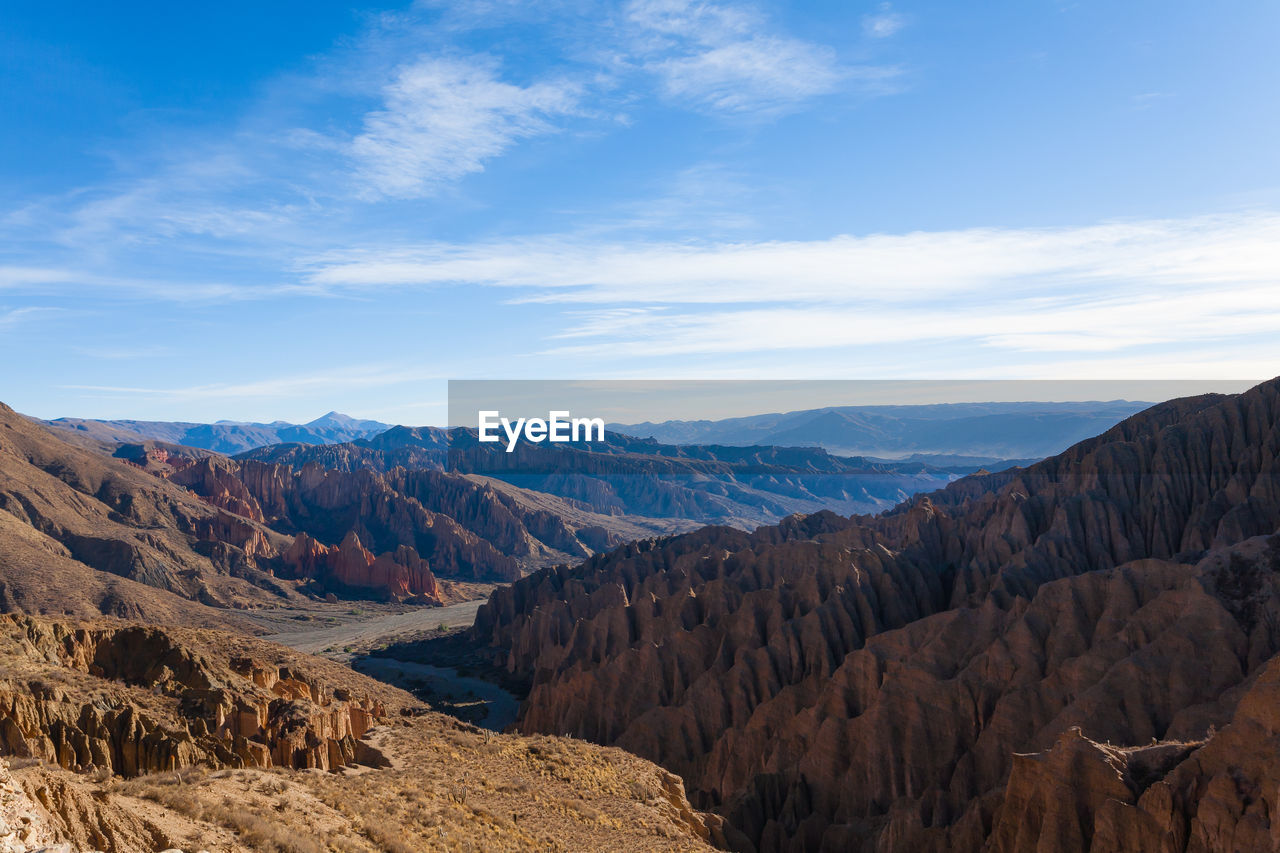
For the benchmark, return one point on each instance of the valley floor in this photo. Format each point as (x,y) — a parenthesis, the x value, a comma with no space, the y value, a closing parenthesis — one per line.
(339,633)
(443,687)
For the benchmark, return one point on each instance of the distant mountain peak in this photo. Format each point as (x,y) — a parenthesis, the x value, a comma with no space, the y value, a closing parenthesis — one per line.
(342,420)
(333,417)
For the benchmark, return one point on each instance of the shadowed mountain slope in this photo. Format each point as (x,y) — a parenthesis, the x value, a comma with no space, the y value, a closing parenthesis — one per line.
(865,683)
(81,533)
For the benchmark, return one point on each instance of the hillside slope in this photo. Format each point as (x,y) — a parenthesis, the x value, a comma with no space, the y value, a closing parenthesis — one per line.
(127,738)
(865,683)
(84,534)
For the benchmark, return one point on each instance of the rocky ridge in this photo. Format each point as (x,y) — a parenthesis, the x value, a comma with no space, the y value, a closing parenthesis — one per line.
(865,683)
(125,738)
(129,700)
(625,476)
(460,528)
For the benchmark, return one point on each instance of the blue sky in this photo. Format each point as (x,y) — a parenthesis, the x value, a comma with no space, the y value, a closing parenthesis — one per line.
(260,211)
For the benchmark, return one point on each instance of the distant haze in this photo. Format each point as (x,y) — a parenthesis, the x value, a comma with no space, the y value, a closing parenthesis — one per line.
(653,401)
(956,431)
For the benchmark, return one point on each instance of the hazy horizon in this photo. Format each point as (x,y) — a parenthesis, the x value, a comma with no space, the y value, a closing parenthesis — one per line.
(638,401)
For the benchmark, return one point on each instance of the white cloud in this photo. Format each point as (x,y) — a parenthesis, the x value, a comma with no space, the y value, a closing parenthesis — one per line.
(12,317)
(1094,289)
(442,119)
(760,73)
(730,59)
(883,23)
(1018,325)
(700,21)
(882,267)
(298,385)
(24,276)
(29,279)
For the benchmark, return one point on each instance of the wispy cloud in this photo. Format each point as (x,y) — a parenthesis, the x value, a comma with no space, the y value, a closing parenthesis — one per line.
(404,110)
(125,353)
(883,23)
(13,316)
(443,118)
(1099,288)
(758,74)
(730,59)
(29,276)
(1082,326)
(1146,100)
(1174,252)
(32,279)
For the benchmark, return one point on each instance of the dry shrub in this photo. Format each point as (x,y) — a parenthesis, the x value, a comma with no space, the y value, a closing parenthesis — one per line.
(257,831)
(389,840)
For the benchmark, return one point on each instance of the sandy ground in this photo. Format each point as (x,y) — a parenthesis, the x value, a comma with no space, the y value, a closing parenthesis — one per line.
(344,639)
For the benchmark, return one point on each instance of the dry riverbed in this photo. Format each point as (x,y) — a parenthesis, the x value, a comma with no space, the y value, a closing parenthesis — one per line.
(350,634)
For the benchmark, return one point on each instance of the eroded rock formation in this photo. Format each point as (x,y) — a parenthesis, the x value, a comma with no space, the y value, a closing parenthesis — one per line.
(402,574)
(460,529)
(127,738)
(133,700)
(866,683)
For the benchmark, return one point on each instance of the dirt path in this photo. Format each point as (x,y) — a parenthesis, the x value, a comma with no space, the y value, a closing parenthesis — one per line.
(335,640)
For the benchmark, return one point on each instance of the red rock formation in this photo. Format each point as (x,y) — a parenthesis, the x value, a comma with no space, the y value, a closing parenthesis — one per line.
(386,512)
(401,574)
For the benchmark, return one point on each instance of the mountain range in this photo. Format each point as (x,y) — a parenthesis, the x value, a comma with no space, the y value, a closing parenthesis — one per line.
(972,433)
(226,437)
(980,432)
(1077,655)
(138,713)
(624,476)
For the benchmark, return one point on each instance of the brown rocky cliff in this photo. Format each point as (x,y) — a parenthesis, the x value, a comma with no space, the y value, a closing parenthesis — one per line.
(864,684)
(1218,793)
(23,824)
(133,700)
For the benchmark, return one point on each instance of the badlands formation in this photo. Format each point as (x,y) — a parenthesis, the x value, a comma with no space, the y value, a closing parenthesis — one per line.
(1078,655)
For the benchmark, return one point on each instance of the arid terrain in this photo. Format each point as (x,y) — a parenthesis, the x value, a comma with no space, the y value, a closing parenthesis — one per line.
(125,738)
(1078,655)
(138,714)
